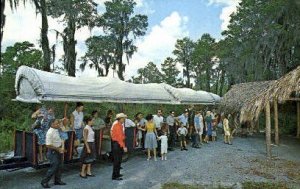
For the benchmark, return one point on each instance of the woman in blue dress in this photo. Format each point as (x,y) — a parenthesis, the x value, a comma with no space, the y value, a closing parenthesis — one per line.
(208,125)
(42,124)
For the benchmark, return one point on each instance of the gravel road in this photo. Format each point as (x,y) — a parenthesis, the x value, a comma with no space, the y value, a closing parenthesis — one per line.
(213,165)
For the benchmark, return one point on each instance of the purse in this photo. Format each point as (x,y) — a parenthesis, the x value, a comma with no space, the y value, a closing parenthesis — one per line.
(89,160)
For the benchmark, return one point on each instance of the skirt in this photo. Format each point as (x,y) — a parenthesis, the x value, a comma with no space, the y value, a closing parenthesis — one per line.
(150,141)
(88,158)
(41,135)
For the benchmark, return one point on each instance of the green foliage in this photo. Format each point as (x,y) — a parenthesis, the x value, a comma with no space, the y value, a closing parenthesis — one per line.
(76,14)
(170,72)
(183,52)
(265,185)
(100,54)
(14,115)
(121,24)
(175,185)
(262,41)
(149,74)
(22,53)
(203,61)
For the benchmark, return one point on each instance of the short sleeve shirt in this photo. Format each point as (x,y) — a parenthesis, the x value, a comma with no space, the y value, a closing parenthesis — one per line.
(158,121)
(183,119)
(98,123)
(170,120)
(78,119)
(53,138)
(182,131)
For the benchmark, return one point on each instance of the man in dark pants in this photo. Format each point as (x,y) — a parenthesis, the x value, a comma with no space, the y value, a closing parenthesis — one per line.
(118,145)
(172,131)
(55,152)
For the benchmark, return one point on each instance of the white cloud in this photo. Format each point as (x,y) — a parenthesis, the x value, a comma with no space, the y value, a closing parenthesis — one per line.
(159,42)
(156,45)
(21,25)
(230,6)
(24,25)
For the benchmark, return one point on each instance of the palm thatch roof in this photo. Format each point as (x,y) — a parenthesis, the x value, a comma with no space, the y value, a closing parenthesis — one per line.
(281,90)
(236,98)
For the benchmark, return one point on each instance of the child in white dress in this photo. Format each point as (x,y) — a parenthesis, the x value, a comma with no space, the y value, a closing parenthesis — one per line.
(164,146)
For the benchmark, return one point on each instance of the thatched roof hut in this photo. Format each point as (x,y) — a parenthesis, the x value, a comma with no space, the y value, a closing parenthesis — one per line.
(238,96)
(280,90)
(250,99)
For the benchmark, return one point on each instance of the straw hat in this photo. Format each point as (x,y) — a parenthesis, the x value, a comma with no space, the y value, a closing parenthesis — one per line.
(121,115)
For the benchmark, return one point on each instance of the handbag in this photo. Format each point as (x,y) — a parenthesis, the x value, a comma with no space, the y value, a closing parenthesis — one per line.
(89,159)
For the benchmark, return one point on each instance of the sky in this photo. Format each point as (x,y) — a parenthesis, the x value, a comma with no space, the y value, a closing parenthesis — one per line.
(168,20)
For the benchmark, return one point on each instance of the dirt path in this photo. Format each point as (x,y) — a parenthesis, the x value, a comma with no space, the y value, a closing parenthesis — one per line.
(215,163)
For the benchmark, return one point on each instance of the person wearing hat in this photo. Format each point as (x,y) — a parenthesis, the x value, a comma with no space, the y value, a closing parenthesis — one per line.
(118,144)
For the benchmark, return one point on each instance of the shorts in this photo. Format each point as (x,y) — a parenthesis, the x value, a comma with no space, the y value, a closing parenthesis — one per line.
(79,134)
(164,149)
(181,138)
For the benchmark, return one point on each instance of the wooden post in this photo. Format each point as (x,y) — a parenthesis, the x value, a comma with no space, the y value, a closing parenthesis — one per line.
(276,122)
(268,130)
(298,119)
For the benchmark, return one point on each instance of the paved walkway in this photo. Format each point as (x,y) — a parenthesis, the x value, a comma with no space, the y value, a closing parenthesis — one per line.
(215,163)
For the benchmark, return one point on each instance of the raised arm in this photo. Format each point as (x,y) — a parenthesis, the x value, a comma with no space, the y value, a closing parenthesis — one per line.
(36,114)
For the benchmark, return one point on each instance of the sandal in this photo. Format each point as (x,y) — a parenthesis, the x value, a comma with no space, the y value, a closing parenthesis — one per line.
(90,175)
(84,177)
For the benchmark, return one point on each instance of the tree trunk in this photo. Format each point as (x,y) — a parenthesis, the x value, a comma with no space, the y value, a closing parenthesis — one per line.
(207,80)
(44,37)
(298,119)
(217,83)
(222,81)
(268,130)
(2,23)
(121,66)
(188,82)
(120,71)
(69,47)
(276,122)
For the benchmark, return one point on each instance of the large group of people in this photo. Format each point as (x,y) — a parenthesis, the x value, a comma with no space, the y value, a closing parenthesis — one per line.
(155,134)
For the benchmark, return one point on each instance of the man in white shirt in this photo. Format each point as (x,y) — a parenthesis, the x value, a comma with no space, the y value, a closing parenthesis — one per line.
(129,123)
(158,119)
(55,153)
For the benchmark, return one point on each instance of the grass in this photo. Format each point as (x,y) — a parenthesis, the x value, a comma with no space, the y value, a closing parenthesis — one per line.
(245,185)
(176,185)
(264,185)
